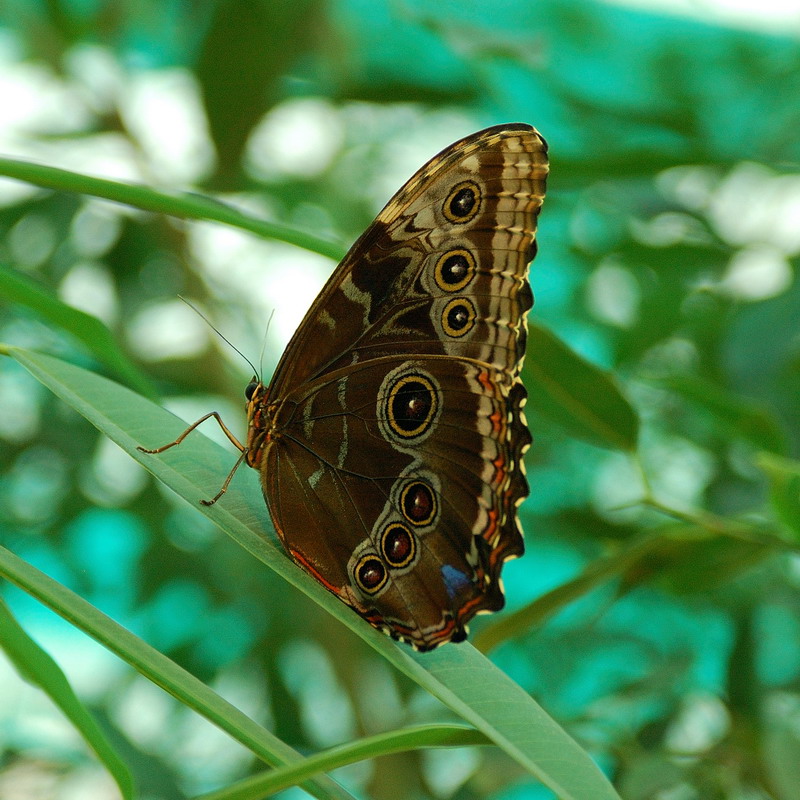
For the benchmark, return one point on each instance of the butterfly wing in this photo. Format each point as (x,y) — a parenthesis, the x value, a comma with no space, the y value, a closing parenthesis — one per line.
(442,270)
(393,467)
(396,483)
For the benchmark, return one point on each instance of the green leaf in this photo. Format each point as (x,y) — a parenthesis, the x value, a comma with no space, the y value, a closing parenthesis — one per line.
(735,415)
(90,331)
(784,485)
(186,205)
(459,676)
(37,667)
(159,669)
(241,79)
(542,608)
(780,743)
(576,394)
(420,736)
(689,559)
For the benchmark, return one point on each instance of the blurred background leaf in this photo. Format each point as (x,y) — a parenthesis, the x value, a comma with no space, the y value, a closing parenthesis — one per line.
(96,338)
(35,666)
(667,308)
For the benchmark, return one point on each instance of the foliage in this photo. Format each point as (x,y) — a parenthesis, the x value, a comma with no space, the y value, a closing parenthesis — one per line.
(655,614)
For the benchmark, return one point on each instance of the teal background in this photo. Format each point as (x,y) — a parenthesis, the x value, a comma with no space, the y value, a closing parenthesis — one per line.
(668,255)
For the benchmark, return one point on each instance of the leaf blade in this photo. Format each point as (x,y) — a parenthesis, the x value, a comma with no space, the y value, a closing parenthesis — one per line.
(576,394)
(459,676)
(158,668)
(185,205)
(38,667)
(398,741)
(89,330)
(734,414)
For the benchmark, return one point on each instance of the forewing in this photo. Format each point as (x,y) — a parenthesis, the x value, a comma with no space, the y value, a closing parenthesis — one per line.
(443,268)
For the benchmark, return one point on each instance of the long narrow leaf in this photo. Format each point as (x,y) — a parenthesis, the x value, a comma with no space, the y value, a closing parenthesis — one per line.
(36,666)
(90,331)
(159,669)
(185,205)
(458,675)
(784,480)
(542,608)
(370,747)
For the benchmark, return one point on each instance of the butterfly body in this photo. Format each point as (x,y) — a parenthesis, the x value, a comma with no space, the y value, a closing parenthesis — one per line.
(391,440)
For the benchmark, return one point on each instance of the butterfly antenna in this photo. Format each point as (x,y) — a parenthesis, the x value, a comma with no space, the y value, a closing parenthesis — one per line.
(264,344)
(219,333)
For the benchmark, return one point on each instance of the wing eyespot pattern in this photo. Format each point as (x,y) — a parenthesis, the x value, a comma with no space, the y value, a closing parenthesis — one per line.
(463,203)
(398,545)
(454,270)
(418,503)
(458,317)
(370,574)
(408,405)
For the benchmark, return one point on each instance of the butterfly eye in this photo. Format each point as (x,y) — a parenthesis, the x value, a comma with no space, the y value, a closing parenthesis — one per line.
(250,389)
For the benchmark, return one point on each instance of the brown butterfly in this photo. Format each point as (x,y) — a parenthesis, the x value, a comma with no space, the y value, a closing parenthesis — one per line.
(391,440)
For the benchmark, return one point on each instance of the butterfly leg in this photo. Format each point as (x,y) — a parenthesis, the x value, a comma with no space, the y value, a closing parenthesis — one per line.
(227,481)
(234,441)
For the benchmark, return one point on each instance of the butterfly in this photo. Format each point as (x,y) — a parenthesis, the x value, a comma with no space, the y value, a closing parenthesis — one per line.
(390,441)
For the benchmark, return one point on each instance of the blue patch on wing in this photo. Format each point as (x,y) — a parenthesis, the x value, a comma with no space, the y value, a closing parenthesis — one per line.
(454,580)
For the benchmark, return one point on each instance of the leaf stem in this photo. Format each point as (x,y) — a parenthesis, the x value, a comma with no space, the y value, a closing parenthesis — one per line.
(715,524)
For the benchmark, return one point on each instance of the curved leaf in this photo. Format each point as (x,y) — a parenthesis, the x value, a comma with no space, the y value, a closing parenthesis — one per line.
(542,608)
(36,666)
(159,669)
(186,205)
(382,744)
(736,415)
(89,330)
(572,392)
(459,676)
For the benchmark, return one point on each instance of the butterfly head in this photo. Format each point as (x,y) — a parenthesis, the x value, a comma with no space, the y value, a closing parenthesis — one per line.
(258,420)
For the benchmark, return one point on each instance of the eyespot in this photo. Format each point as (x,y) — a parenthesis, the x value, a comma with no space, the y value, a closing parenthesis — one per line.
(412,405)
(454,270)
(418,503)
(398,545)
(458,317)
(250,389)
(408,404)
(370,574)
(463,202)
